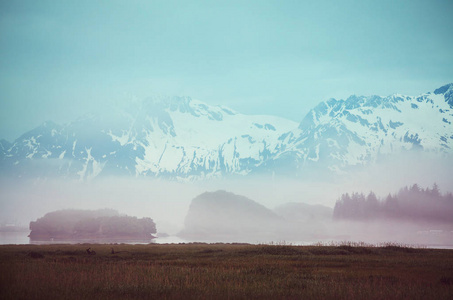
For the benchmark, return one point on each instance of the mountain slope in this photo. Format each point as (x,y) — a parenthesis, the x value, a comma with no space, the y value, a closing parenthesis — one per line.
(185,139)
(340,134)
(171,137)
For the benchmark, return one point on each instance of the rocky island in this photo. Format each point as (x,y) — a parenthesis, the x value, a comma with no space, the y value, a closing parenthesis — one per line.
(102,224)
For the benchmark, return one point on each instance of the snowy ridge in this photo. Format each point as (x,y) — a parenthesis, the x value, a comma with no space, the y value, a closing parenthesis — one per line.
(356,131)
(174,137)
(186,139)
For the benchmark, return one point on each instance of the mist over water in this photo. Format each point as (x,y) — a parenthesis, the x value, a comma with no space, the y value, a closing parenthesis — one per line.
(277,77)
(168,203)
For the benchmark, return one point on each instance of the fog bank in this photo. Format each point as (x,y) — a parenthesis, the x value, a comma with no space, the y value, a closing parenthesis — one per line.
(167,202)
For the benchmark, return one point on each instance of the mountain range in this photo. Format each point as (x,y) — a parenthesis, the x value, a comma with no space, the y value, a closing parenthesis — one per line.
(185,139)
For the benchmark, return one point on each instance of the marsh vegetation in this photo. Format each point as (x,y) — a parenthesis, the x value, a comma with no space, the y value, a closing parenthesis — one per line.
(221,271)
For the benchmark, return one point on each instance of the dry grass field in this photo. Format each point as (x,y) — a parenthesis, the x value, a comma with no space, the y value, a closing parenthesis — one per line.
(224,271)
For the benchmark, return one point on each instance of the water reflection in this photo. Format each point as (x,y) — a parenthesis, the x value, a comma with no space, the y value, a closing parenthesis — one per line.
(21,237)
(89,241)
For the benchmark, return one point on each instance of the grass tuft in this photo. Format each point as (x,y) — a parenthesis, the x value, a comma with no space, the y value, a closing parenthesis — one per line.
(34,254)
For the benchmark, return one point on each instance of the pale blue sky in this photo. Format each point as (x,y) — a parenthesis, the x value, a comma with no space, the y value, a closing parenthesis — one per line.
(60,59)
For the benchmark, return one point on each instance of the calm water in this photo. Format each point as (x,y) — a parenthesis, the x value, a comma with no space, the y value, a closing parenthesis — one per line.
(17,238)
(20,237)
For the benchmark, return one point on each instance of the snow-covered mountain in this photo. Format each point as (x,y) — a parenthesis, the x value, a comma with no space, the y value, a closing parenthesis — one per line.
(344,134)
(185,139)
(172,137)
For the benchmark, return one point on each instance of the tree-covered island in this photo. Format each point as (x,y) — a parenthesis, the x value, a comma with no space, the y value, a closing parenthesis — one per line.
(75,224)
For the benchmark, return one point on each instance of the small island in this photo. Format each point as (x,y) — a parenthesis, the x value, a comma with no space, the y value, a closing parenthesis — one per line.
(105,224)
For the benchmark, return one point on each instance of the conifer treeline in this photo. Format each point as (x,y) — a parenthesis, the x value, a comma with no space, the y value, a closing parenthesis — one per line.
(414,204)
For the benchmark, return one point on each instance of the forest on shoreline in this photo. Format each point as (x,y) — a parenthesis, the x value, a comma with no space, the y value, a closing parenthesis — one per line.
(409,204)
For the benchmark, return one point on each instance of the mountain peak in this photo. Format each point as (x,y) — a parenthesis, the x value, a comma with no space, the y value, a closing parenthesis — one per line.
(173,103)
(444,89)
(4,146)
(185,105)
(447,91)
(50,124)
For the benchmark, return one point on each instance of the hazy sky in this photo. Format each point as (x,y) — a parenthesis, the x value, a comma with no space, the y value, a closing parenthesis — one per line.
(60,59)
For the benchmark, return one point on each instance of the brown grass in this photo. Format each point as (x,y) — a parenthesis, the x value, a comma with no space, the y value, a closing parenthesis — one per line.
(224,271)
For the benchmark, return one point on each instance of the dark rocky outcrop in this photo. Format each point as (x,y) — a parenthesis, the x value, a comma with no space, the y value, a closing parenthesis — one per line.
(87,224)
(225,216)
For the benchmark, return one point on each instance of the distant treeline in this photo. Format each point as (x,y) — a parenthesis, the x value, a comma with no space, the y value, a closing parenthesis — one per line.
(414,204)
(79,224)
